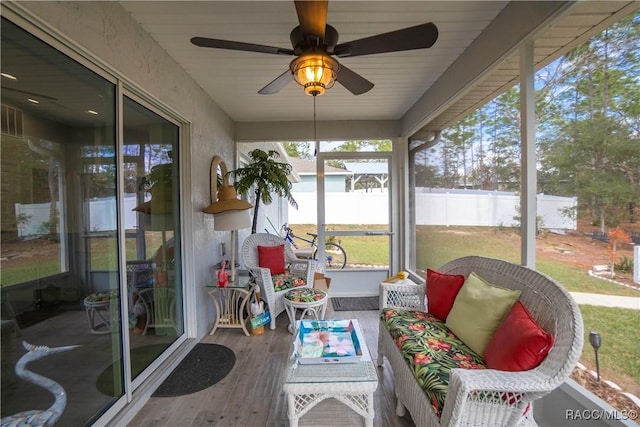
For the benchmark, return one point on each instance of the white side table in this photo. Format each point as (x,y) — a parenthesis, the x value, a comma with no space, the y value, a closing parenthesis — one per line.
(230,303)
(97,307)
(310,300)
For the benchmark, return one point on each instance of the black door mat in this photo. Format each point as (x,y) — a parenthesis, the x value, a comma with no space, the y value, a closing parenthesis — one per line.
(354,303)
(204,366)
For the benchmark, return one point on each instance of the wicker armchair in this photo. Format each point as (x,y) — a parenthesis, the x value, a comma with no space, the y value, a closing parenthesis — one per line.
(489,397)
(140,291)
(303,268)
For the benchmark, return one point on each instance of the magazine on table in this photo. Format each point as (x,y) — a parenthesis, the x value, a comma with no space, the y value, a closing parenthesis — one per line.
(327,341)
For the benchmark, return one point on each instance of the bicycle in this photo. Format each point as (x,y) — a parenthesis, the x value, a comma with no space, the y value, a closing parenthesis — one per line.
(336,257)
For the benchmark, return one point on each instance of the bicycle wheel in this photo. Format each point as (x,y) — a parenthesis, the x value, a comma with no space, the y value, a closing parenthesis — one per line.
(336,257)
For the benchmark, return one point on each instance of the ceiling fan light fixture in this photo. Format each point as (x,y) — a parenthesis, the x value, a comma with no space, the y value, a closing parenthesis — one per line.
(315,43)
(315,72)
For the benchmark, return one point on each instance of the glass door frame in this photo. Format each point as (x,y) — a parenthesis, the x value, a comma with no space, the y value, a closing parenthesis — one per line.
(132,384)
(321,159)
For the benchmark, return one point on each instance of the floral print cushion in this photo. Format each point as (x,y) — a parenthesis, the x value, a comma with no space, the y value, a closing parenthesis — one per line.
(103,296)
(305,295)
(430,349)
(287,281)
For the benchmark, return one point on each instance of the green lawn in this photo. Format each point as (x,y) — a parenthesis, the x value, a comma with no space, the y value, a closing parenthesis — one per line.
(619,354)
(454,242)
(39,267)
(41,260)
(362,250)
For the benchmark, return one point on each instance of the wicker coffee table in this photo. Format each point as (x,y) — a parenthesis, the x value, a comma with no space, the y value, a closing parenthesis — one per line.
(350,383)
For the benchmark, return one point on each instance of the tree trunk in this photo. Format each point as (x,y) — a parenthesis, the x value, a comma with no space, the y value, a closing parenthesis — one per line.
(53,196)
(254,225)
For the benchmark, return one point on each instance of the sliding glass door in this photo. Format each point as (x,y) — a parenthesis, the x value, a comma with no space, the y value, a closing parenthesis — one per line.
(70,191)
(152,225)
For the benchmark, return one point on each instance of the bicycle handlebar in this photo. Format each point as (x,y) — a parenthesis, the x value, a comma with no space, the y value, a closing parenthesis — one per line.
(289,232)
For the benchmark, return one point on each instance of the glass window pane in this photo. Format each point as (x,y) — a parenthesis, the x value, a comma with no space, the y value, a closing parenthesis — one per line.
(465,198)
(59,241)
(356,209)
(152,224)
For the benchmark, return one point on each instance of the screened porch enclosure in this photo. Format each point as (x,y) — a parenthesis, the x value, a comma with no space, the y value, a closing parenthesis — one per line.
(85,196)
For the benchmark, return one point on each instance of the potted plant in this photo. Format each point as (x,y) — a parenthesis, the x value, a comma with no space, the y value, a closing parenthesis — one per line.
(267,177)
(159,184)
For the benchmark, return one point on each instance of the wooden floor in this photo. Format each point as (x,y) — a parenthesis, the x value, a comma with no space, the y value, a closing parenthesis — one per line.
(251,395)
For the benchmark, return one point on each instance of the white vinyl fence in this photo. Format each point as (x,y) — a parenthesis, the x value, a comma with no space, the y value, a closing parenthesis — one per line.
(102,215)
(456,207)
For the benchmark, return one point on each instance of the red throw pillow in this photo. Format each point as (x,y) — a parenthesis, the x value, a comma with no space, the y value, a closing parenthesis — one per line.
(442,290)
(519,344)
(272,257)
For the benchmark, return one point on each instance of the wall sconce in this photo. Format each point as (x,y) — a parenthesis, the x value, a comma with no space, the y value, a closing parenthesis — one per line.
(229,212)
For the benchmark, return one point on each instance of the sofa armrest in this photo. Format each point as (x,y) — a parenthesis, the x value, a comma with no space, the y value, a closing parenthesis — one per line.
(488,396)
(403,296)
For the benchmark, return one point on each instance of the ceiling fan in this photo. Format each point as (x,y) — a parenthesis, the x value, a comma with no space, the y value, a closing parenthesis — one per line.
(314,45)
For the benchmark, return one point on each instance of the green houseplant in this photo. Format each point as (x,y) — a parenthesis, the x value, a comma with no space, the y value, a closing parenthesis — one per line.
(159,184)
(265,177)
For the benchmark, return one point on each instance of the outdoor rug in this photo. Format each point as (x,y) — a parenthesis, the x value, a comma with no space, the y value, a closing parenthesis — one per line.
(354,303)
(205,365)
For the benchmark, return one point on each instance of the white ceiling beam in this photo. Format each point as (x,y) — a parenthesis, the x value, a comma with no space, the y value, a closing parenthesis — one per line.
(325,131)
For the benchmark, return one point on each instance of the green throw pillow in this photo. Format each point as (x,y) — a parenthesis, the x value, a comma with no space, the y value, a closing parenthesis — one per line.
(478,310)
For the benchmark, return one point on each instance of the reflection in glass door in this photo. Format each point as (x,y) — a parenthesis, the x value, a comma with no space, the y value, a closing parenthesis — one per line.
(59,240)
(60,235)
(152,254)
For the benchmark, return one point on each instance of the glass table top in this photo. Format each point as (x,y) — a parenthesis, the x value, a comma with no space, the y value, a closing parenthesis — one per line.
(243,281)
(363,371)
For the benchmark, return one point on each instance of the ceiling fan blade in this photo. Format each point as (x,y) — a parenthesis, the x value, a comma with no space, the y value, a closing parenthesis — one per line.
(418,37)
(231,45)
(352,81)
(312,16)
(277,84)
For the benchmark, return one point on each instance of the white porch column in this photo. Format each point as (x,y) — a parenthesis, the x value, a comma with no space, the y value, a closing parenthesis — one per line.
(528,177)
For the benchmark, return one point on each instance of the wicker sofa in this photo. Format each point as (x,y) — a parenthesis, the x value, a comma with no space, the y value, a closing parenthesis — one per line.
(487,397)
